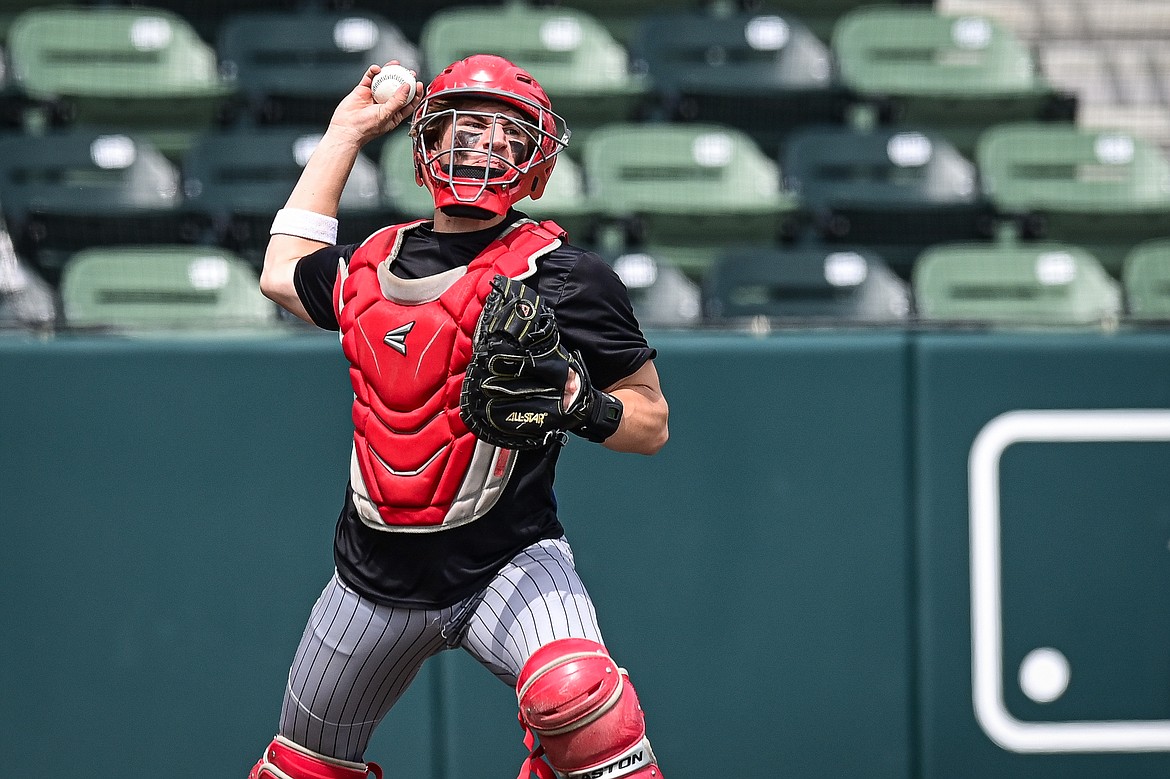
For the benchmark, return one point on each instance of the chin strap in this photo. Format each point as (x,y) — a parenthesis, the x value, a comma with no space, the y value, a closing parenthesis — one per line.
(468,212)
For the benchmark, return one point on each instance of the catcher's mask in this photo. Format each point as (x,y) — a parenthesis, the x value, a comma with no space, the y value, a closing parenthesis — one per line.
(480,159)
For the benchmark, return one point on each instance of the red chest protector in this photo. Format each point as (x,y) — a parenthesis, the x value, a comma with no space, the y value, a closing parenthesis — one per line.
(415,466)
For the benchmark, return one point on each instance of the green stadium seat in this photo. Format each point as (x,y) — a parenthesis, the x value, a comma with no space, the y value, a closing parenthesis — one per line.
(805,283)
(621,17)
(684,191)
(137,70)
(410,17)
(662,295)
(584,70)
(208,16)
(152,288)
(65,191)
(564,199)
(294,67)
(896,191)
(240,177)
(1102,190)
(959,75)
(765,74)
(1025,18)
(821,16)
(10,9)
(1146,280)
(1025,284)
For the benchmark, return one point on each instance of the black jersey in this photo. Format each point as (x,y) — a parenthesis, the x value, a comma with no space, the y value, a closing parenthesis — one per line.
(433,570)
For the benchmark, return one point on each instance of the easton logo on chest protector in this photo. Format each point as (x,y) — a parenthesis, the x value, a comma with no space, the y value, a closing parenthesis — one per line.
(396,338)
(415,467)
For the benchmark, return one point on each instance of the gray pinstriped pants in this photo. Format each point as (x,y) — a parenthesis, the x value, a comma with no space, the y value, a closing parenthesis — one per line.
(356,657)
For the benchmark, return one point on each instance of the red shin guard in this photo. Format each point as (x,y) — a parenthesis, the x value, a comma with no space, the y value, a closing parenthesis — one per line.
(287,760)
(586,713)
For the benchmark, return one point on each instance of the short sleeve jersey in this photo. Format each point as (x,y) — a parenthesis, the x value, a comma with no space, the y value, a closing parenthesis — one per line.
(434,570)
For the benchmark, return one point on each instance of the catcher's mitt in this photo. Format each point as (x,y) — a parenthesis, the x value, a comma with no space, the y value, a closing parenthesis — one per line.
(514,389)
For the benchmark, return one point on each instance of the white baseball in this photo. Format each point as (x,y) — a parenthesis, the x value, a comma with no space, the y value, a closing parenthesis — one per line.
(389,79)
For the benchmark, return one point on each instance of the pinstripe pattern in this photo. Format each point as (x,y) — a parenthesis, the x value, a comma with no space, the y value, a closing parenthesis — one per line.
(536,598)
(356,658)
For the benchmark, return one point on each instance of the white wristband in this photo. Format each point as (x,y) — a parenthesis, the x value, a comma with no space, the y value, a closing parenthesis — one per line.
(305,224)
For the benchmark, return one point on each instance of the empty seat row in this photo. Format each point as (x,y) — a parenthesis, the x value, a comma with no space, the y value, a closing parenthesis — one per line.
(183,288)
(1004,283)
(685,190)
(619,17)
(208,17)
(766,72)
(900,191)
(71,190)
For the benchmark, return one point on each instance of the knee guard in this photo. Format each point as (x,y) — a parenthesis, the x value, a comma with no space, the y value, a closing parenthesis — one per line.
(285,759)
(585,711)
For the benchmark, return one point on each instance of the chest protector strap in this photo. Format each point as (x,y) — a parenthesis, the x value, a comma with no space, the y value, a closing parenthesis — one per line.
(415,467)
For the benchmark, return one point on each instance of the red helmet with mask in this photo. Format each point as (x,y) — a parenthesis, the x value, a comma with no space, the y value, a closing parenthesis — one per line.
(484,137)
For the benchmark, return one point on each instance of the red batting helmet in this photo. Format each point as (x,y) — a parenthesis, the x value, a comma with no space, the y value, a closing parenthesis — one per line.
(495,183)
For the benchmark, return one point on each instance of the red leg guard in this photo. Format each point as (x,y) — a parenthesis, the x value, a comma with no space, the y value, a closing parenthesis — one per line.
(286,760)
(583,707)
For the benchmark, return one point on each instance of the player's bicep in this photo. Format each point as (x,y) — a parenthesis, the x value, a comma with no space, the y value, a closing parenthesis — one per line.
(644,380)
(277,279)
(316,281)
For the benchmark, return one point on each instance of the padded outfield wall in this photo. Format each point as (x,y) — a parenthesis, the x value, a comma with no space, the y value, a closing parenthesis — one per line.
(790,581)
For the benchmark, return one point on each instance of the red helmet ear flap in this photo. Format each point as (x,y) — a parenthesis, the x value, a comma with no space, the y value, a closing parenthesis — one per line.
(540,180)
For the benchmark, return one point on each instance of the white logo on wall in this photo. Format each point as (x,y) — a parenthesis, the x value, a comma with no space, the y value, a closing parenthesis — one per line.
(1045,672)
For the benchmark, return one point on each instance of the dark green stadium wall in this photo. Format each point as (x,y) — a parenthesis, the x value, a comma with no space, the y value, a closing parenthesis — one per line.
(787,582)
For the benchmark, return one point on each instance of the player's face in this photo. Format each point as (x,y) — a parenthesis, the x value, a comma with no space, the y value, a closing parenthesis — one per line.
(486,130)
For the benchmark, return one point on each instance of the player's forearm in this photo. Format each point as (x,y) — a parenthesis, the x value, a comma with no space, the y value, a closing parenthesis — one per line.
(318,190)
(643,429)
(321,182)
(356,121)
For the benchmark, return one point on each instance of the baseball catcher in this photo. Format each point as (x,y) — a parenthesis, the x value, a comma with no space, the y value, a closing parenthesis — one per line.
(475,340)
